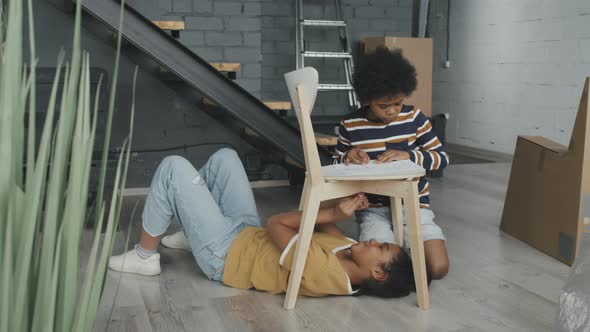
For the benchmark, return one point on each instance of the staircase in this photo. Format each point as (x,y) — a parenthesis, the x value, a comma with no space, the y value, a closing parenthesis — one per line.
(198,73)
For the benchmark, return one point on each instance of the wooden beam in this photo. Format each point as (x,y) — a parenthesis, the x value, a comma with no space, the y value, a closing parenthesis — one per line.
(144,191)
(226,66)
(269,183)
(321,139)
(277,105)
(326,140)
(273,105)
(169,25)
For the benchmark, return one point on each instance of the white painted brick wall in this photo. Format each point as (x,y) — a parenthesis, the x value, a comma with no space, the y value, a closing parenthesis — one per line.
(517,68)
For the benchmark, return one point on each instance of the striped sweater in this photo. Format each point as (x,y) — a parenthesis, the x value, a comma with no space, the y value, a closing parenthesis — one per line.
(411,131)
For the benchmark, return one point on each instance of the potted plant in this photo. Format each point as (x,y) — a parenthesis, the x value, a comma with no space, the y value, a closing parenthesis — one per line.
(43,204)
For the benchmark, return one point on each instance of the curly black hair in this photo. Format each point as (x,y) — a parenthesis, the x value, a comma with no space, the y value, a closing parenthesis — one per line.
(399,281)
(383,73)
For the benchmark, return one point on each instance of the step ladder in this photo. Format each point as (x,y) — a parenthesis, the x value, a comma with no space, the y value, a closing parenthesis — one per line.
(345,54)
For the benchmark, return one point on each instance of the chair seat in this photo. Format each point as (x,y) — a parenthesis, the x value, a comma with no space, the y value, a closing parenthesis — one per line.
(396,170)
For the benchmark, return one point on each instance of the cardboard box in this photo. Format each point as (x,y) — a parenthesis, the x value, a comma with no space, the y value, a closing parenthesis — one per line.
(548,185)
(419,52)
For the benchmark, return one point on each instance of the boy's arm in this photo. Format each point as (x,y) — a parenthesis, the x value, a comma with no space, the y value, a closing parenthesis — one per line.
(430,155)
(283,227)
(343,144)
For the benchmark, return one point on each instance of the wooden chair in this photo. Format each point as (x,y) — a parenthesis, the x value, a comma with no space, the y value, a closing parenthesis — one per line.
(548,184)
(321,184)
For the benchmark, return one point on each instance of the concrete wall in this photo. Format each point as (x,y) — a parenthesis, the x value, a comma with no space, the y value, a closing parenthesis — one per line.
(517,67)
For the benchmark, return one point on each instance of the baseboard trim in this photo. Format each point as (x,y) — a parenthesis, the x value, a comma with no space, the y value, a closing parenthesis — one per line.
(478,153)
(269,183)
(143,191)
(136,191)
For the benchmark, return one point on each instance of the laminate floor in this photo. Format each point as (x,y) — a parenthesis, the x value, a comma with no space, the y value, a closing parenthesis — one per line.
(495,283)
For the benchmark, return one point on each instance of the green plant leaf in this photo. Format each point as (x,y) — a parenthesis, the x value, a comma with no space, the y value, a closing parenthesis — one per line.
(42,211)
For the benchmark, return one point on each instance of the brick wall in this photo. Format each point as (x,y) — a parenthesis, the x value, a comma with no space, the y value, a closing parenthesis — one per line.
(517,68)
(166,123)
(219,31)
(260,35)
(364,17)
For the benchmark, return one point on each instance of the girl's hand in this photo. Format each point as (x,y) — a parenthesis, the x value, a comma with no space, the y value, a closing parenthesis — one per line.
(346,208)
(356,156)
(392,155)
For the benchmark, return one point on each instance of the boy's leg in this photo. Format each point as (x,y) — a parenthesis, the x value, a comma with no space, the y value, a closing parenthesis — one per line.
(435,250)
(228,183)
(375,223)
(437,259)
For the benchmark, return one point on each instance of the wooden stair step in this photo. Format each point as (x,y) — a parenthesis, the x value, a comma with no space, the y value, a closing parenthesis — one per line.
(230,68)
(326,140)
(273,105)
(226,67)
(321,139)
(277,105)
(169,25)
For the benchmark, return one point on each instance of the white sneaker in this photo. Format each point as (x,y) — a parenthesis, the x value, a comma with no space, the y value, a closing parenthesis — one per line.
(177,241)
(130,262)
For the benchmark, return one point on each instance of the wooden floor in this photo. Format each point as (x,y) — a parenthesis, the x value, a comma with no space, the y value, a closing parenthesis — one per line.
(495,283)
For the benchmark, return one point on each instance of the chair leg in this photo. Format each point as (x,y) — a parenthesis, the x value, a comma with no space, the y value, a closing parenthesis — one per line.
(305,192)
(310,211)
(412,205)
(397,220)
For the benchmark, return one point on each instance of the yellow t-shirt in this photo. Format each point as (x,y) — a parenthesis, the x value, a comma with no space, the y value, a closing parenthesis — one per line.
(254,261)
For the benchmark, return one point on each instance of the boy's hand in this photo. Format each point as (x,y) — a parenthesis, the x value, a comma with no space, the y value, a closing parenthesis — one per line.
(392,155)
(346,207)
(356,156)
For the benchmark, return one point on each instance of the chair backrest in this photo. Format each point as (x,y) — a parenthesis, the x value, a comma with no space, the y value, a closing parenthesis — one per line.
(303,87)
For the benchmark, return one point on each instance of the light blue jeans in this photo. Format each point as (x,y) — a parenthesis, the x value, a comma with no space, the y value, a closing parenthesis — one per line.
(212,205)
(375,223)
